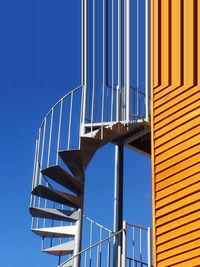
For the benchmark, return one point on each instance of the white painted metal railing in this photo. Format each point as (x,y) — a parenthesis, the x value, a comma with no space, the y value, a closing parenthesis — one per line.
(134,252)
(59,130)
(115,79)
(93,233)
(117,60)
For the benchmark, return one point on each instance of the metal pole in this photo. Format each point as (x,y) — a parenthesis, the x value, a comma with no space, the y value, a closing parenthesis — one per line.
(127,58)
(119,87)
(147,76)
(149,245)
(78,238)
(118,200)
(124,244)
(84,65)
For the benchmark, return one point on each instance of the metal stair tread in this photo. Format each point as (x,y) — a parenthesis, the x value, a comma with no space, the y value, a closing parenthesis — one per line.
(58,196)
(62,177)
(61,250)
(60,231)
(55,214)
(73,160)
(106,134)
(67,264)
(119,128)
(89,146)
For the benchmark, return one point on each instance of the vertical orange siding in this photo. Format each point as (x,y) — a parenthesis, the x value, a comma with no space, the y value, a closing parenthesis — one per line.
(176,132)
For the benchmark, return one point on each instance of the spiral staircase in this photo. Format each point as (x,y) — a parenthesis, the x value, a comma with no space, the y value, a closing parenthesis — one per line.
(76,127)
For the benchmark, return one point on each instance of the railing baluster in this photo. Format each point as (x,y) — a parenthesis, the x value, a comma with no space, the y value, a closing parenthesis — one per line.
(108,252)
(70,120)
(91,238)
(42,152)
(149,247)
(113,61)
(133,243)
(100,247)
(103,63)
(59,130)
(50,137)
(147,59)
(137,45)
(93,63)
(140,247)
(42,157)
(85,259)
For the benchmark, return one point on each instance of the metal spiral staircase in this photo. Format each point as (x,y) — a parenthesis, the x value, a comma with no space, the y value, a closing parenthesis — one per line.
(76,127)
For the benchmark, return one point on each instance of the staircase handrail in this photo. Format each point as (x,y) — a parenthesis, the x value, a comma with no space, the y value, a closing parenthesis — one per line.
(92,246)
(58,102)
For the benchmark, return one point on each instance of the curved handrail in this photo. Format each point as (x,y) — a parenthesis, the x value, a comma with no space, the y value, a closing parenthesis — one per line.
(59,130)
(59,101)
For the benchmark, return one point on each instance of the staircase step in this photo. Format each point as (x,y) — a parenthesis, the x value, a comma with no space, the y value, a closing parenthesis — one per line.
(67,264)
(140,137)
(55,214)
(61,231)
(62,177)
(106,134)
(89,146)
(73,160)
(61,250)
(119,128)
(58,196)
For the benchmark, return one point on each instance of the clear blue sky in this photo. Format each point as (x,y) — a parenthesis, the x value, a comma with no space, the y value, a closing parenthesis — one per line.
(36,69)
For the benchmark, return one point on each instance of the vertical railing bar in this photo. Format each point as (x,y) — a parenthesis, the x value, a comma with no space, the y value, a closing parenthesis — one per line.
(37,165)
(42,244)
(103,70)
(93,64)
(140,247)
(37,222)
(81,119)
(127,57)
(119,62)
(91,237)
(32,199)
(59,130)
(84,65)
(112,96)
(147,59)
(42,152)
(137,57)
(149,247)
(124,244)
(32,222)
(85,259)
(70,120)
(50,137)
(42,156)
(97,256)
(100,246)
(133,243)
(108,252)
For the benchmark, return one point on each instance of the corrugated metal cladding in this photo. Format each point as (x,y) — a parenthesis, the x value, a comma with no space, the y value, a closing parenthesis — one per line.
(176,131)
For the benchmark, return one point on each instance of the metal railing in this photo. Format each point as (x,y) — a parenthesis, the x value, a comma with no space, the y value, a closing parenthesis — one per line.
(101,253)
(117,60)
(93,233)
(59,130)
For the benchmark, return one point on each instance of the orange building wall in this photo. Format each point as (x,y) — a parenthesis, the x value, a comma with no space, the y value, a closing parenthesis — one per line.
(176,132)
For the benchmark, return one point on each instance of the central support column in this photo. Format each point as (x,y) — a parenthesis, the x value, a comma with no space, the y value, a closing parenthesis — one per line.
(118,202)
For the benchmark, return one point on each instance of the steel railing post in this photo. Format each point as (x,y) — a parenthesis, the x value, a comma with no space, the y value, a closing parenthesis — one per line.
(124,243)
(149,247)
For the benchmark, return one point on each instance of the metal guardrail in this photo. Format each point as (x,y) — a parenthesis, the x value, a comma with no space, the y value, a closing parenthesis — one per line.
(101,253)
(59,130)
